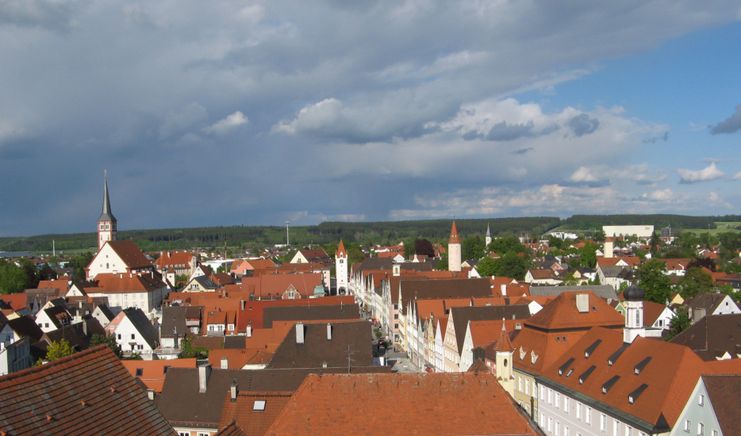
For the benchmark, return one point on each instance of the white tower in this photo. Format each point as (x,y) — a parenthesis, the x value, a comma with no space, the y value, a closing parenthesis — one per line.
(454,250)
(107,224)
(504,351)
(633,314)
(609,251)
(340,260)
(488,236)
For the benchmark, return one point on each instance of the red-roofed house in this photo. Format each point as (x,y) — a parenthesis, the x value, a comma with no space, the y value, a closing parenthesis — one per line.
(119,257)
(182,262)
(145,291)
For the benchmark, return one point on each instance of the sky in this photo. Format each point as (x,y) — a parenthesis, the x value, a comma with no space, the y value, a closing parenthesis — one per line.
(241,112)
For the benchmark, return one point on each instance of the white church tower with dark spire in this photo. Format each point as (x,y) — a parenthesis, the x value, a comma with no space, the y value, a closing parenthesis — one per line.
(107,224)
(488,236)
(454,249)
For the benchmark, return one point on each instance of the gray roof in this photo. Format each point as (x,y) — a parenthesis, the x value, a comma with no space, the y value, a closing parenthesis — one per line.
(106,214)
(713,336)
(317,350)
(173,320)
(143,325)
(206,282)
(462,315)
(612,271)
(603,291)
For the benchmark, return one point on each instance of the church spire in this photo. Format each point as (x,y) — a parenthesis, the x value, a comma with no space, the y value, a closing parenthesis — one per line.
(106,214)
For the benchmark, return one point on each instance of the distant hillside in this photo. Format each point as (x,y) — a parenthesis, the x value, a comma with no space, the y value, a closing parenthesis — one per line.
(383,232)
(324,233)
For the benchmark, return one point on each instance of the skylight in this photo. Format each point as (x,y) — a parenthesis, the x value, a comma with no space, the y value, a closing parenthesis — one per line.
(565,366)
(609,384)
(583,377)
(614,357)
(258,405)
(641,365)
(591,348)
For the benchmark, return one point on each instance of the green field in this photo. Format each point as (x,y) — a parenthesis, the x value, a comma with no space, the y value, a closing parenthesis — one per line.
(720,227)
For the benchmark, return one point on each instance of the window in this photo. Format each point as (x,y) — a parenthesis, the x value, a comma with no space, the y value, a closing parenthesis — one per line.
(701,399)
(542,393)
(566,404)
(527,387)
(542,419)
(519,384)
(565,430)
(588,415)
(715,432)
(119,336)
(139,372)
(602,421)
(550,395)
(183,433)
(700,429)
(627,430)
(203,434)
(558,428)
(550,424)
(614,427)
(558,400)
(259,405)
(133,336)
(578,410)
(687,425)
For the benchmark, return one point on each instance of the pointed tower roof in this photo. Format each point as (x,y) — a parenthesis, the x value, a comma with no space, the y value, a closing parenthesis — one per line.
(504,344)
(106,214)
(488,230)
(341,250)
(454,238)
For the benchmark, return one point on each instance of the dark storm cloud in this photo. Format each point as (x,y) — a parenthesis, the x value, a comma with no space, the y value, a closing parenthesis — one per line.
(147,89)
(731,124)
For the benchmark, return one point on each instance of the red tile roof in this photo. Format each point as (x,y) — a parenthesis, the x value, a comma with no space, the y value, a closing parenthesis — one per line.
(668,371)
(242,410)
(562,313)
(454,238)
(402,403)
(238,358)
(111,283)
(174,258)
(274,285)
(89,392)
(130,253)
(341,249)
(153,371)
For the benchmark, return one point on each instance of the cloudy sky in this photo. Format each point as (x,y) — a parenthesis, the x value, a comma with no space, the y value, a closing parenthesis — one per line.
(239,112)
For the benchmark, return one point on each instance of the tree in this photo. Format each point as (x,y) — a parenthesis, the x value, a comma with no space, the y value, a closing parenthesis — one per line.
(442,264)
(486,267)
(654,281)
(424,246)
(187,350)
(695,281)
(12,278)
(512,265)
(654,244)
(79,263)
(473,247)
(588,255)
(58,349)
(110,341)
(507,244)
(679,323)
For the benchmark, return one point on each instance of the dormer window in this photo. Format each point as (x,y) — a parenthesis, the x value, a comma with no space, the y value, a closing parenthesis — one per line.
(533,357)
(258,406)
(614,357)
(522,353)
(583,377)
(609,384)
(633,396)
(590,349)
(565,366)
(640,365)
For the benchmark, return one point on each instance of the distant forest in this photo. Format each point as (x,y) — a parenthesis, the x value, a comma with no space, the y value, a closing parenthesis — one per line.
(384,232)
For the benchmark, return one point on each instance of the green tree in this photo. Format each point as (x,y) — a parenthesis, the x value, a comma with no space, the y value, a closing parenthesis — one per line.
(58,349)
(512,265)
(12,278)
(79,263)
(442,264)
(654,282)
(473,247)
(187,350)
(695,281)
(507,244)
(679,323)
(110,341)
(588,255)
(487,267)
(654,244)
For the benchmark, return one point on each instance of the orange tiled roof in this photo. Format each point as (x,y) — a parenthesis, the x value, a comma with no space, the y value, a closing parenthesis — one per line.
(668,371)
(422,403)
(238,358)
(242,411)
(126,282)
(130,253)
(454,238)
(562,313)
(153,371)
(172,258)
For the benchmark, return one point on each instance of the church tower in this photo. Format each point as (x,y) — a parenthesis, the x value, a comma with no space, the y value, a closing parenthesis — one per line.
(488,237)
(340,260)
(504,351)
(454,250)
(633,314)
(107,224)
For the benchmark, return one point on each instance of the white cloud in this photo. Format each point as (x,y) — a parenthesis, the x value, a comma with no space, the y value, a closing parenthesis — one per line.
(710,172)
(583,175)
(737,176)
(660,195)
(227,124)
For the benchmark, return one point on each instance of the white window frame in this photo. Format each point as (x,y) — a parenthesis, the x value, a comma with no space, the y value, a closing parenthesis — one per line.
(602,419)
(578,410)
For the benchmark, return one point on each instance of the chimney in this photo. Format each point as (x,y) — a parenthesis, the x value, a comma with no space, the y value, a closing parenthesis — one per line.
(224,363)
(233,389)
(203,373)
(582,303)
(329,331)
(503,289)
(249,330)
(150,394)
(299,333)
